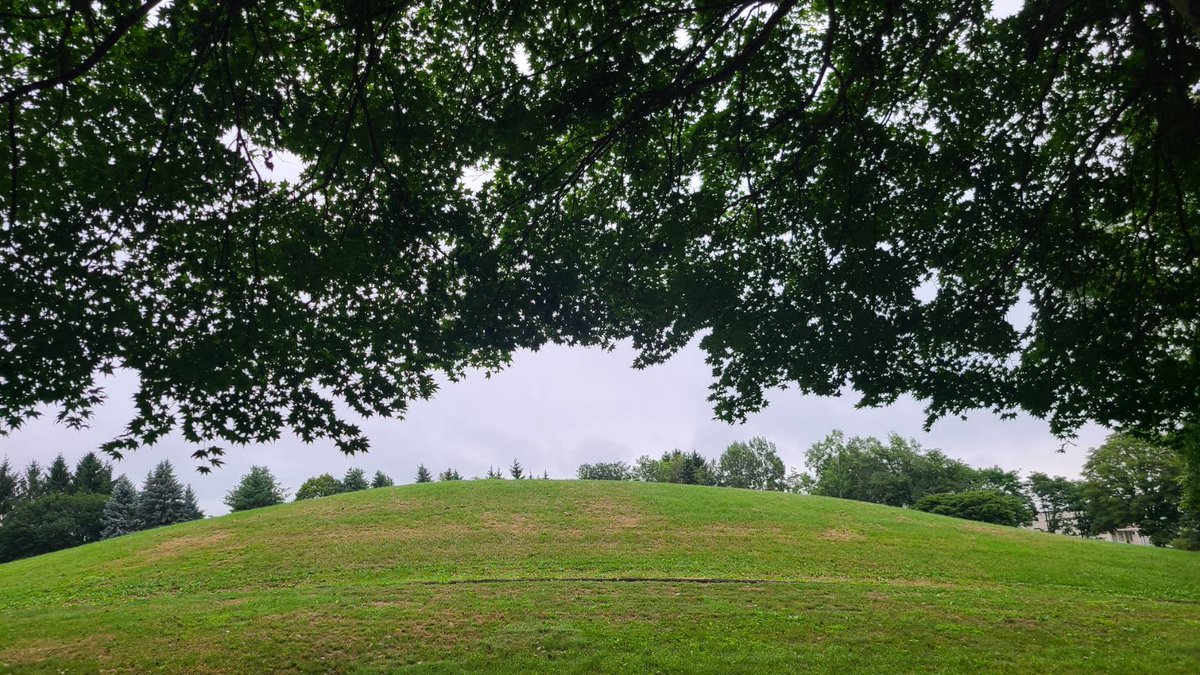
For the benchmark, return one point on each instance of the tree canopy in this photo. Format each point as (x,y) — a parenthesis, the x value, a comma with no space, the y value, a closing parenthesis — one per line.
(831,195)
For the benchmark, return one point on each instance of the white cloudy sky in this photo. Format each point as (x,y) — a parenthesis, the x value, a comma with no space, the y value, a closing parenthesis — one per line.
(555,409)
(558,408)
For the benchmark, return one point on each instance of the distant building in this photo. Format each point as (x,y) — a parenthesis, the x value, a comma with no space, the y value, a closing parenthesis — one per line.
(1123,535)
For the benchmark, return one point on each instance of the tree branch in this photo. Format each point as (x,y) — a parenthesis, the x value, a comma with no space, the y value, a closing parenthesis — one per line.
(123,26)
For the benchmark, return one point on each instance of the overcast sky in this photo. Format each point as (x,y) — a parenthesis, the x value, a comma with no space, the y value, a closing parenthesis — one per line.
(555,409)
(558,408)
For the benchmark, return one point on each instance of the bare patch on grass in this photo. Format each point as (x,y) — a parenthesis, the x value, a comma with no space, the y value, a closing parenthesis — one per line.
(179,545)
(842,534)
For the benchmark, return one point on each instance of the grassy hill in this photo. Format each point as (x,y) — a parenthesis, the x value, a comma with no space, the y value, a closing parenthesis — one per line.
(580,576)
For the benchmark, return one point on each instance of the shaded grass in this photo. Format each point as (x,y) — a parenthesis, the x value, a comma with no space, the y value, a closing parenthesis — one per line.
(357,583)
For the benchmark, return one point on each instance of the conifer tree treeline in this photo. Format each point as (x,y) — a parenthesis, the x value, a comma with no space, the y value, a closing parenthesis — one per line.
(47,510)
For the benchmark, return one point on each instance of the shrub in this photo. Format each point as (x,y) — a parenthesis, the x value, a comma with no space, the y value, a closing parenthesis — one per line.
(987,506)
(605,471)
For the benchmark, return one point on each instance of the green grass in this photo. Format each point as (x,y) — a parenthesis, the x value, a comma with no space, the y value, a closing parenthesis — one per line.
(587,576)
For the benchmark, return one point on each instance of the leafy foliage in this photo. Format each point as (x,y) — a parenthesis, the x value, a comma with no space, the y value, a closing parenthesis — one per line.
(676,466)
(604,471)
(256,489)
(51,522)
(831,194)
(987,506)
(1055,498)
(319,486)
(897,473)
(754,464)
(1132,481)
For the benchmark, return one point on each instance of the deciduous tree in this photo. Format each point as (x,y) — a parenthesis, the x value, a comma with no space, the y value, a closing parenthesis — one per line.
(319,486)
(1133,481)
(831,195)
(754,465)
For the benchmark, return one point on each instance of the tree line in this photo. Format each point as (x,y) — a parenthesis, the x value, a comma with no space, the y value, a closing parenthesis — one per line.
(44,510)
(1127,481)
(259,488)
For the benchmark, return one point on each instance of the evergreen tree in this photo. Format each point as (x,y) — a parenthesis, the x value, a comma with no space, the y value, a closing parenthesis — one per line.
(256,490)
(8,488)
(354,480)
(494,474)
(382,480)
(516,470)
(93,476)
(32,483)
(319,486)
(121,511)
(58,478)
(423,475)
(161,501)
(191,508)
(449,474)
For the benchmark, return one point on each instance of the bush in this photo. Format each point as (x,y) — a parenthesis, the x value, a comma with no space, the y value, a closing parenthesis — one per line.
(605,471)
(324,485)
(50,523)
(983,505)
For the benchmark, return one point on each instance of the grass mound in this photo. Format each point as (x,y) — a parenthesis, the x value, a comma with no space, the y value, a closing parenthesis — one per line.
(585,576)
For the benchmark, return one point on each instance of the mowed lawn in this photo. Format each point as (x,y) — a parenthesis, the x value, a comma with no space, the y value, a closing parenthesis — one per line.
(571,576)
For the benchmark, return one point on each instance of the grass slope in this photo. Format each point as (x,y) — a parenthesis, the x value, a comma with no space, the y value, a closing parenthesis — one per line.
(584,576)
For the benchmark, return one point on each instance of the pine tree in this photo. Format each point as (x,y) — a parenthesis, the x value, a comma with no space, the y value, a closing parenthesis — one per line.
(354,480)
(382,480)
(161,499)
(58,478)
(32,483)
(121,511)
(516,470)
(423,475)
(191,509)
(8,488)
(92,475)
(256,490)
(493,473)
(449,474)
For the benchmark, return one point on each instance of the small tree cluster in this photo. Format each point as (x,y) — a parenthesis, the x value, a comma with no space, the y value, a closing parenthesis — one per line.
(987,506)
(47,510)
(354,480)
